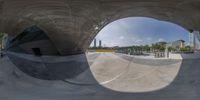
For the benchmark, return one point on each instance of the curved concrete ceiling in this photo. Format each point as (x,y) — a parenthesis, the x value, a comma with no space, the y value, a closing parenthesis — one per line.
(72,24)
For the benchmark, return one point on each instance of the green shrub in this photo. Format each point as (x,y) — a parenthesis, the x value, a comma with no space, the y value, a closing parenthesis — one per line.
(184,49)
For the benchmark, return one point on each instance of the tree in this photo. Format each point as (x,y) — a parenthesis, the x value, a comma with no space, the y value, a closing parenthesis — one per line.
(184,49)
(170,49)
(162,48)
(146,48)
(189,48)
(158,47)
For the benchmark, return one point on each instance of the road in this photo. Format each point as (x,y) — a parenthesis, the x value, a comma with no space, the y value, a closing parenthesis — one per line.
(110,76)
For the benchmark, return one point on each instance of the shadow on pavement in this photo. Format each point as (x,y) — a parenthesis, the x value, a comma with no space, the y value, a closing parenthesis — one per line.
(186,85)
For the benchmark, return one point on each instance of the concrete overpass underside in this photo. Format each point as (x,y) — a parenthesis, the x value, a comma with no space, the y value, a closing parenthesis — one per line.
(71,25)
(47,40)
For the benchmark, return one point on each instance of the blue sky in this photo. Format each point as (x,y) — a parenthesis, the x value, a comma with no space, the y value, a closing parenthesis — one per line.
(140,31)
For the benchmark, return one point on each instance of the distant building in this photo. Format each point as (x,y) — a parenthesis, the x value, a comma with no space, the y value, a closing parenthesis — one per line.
(100,43)
(197,43)
(161,43)
(95,43)
(178,44)
(195,40)
(191,40)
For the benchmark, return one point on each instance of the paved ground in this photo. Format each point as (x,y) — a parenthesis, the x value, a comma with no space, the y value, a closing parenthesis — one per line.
(110,77)
(128,74)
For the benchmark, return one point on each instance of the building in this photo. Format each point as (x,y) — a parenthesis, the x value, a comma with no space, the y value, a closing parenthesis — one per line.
(161,43)
(178,44)
(95,43)
(194,40)
(191,40)
(100,44)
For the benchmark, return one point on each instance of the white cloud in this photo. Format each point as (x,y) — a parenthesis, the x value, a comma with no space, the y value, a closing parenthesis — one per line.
(161,40)
(138,41)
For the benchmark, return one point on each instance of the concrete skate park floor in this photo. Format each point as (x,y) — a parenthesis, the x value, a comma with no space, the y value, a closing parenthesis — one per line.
(111,76)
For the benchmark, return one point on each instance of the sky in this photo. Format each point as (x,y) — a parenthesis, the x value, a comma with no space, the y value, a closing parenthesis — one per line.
(140,31)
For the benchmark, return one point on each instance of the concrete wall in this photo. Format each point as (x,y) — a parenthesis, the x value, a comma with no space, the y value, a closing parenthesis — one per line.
(72,25)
